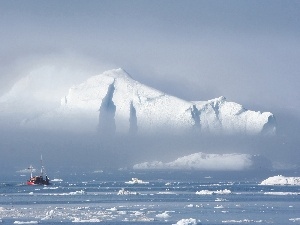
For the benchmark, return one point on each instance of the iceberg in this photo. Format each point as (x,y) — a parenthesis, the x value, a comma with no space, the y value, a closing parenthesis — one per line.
(281,180)
(114,103)
(204,161)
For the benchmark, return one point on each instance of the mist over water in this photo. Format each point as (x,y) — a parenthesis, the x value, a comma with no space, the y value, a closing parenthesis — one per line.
(22,147)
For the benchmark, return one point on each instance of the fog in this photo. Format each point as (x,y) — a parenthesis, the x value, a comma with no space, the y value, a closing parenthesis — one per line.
(195,50)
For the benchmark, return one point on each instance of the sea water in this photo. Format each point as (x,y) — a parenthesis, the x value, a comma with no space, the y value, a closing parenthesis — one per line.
(162,197)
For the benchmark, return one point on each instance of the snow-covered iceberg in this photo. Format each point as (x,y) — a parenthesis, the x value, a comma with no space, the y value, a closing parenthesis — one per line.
(281,180)
(113,102)
(204,161)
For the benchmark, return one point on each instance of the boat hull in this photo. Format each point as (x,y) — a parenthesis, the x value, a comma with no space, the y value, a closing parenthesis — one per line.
(38,180)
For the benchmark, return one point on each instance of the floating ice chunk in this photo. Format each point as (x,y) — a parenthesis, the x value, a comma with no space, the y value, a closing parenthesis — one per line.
(219,192)
(138,213)
(163,215)
(92,220)
(189,221)
(294,219)
(242,221)
(83,208)
(166,193)
(56,180)
(220,200)
(281,180)
(81,192)
(49,215)
(50,188)
(26,222)
(112,209)
(282,193)
(125,192)
(136,181)
(143,219)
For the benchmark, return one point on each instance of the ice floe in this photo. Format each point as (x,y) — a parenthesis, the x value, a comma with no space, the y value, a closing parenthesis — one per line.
(218,192)
(281,180)
(281,193)
(166,193)
(93,220)
(26,222)
(163,215)
(81,192)
(57,180)
(189,221)
(136,181)
(219,207)
(126,192)
(242,221)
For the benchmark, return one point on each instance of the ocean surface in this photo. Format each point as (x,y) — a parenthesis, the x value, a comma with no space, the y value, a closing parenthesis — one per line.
(161,197)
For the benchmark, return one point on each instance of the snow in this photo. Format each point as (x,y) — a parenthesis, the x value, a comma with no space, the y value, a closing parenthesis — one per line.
(203,161)
(281,180)
(124,105)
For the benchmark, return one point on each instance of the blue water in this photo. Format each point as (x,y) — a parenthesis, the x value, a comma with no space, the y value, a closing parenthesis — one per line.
(168,198)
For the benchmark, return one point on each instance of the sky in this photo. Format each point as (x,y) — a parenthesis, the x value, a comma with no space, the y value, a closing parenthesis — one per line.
(247,51)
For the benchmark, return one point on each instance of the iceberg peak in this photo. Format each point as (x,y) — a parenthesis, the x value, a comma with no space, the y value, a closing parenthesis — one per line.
(117,73)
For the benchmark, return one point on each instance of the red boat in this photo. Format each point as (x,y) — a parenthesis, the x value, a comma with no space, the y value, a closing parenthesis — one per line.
(38,180)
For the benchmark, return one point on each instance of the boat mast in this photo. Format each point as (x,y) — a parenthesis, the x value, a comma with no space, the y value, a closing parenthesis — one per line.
(31,169)
(42,167)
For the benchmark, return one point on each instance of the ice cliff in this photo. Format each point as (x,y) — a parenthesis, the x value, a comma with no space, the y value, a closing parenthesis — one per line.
(113,102)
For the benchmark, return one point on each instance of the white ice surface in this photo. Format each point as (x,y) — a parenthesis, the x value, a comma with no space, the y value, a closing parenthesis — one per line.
(189,221)
(218,192)
(136,181)
(203,161)
(281,180)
